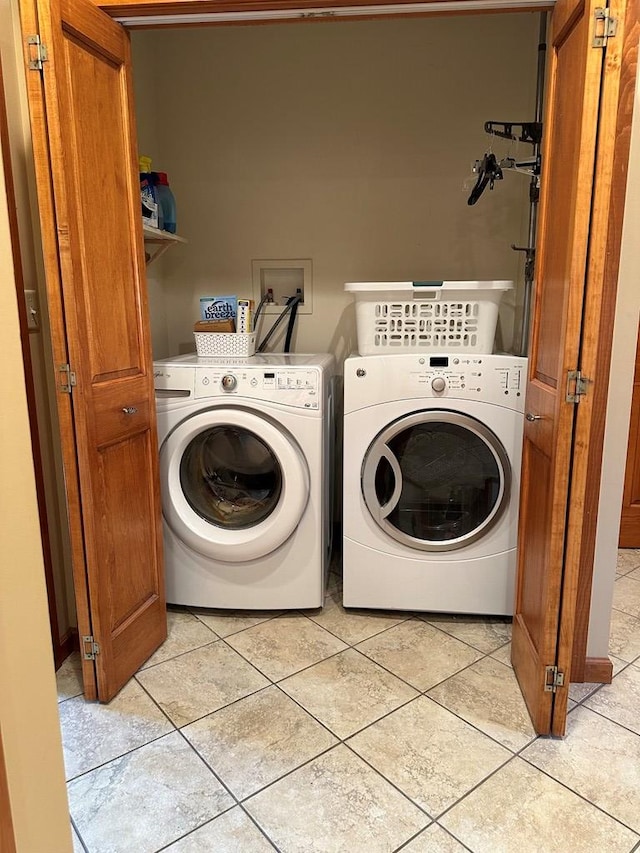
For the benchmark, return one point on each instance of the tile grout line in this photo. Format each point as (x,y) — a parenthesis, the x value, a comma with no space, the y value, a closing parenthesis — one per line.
(406,843)
(581,796)
(393,784)
(483,620)
(77,832)
(196,613)
(342,741)
(293,770)
(236,800)
(483,654)
(118,757)
(150,667)
(206,763)
(500,767)
(400,621)
(412,617)
(609,719)
(462,844)
(516,751)
(135,748)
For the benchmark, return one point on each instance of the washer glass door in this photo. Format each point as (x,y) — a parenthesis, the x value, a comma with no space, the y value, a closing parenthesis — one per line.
(436,480)
(230,477)
(234,484)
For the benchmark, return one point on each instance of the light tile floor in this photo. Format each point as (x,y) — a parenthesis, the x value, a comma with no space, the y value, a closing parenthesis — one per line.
(364,732)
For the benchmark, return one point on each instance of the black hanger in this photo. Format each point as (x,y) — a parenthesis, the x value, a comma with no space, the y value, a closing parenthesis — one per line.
(488,171)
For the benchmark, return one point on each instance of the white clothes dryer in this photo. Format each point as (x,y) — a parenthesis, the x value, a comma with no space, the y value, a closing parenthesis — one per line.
(245,469)
(432,453)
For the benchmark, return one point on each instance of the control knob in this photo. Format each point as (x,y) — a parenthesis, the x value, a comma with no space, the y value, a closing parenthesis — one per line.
(438,384)
(229,382)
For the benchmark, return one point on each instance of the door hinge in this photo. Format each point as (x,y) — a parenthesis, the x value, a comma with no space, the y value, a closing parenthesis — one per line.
(38,54)
(553,679)
(68,378)
(605,27)
(90,649)
(576,386)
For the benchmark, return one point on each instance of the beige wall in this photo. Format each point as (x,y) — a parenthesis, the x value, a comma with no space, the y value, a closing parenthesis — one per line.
(348,143)
(28,707)
(39,340)
(619,406)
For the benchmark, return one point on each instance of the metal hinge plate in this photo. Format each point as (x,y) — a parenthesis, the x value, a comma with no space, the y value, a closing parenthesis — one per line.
(37,53)
(576,386)
(90,649)
(605,27)
(553,679)
(68,378)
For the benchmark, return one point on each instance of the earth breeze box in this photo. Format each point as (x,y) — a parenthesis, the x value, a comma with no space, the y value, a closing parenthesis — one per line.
(218,307)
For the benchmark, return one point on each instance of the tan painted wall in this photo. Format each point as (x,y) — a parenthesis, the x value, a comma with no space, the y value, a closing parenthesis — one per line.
(345,143)
(28,707)
(20,143)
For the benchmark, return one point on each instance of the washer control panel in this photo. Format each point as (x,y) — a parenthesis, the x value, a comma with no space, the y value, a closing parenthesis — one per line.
(299,388)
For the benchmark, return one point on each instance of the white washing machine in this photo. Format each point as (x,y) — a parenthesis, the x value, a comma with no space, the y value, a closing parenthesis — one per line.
(432,453)
(245,464)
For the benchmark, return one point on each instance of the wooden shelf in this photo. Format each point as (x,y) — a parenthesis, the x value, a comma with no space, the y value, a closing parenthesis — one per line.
(161,239)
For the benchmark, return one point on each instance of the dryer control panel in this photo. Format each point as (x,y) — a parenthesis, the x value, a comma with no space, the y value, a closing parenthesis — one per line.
(499,379)
(445,373)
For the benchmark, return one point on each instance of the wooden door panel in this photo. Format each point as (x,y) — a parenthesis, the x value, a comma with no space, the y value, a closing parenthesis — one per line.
(536,468)
(569,147)
(109,306)
(132,541)
(112,423)
(630,518)
(125,547)
(92,149)
(561,177)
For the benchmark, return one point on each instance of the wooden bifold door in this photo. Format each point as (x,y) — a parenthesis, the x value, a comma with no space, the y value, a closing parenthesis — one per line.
(85,146)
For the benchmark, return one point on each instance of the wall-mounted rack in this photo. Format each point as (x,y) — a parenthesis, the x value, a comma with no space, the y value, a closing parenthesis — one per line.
(490,169)
(162,240)
(530,131)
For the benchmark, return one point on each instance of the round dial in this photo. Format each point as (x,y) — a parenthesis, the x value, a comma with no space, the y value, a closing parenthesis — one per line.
(438,384)
(229,382)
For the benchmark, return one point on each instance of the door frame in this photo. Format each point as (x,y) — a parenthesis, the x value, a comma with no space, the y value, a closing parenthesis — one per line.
(617,112)
(125,9)
(617,115)
(603,266)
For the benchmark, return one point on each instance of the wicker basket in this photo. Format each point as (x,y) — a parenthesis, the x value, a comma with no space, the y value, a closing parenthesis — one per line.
(230,343)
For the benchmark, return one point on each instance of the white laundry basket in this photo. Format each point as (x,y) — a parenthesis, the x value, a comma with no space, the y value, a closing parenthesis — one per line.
(225,343)
(426,316)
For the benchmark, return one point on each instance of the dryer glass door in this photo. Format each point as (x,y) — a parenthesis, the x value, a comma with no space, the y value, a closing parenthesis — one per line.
(436,480)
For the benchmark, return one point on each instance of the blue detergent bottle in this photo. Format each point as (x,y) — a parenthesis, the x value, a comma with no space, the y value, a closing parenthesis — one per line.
(166,201)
